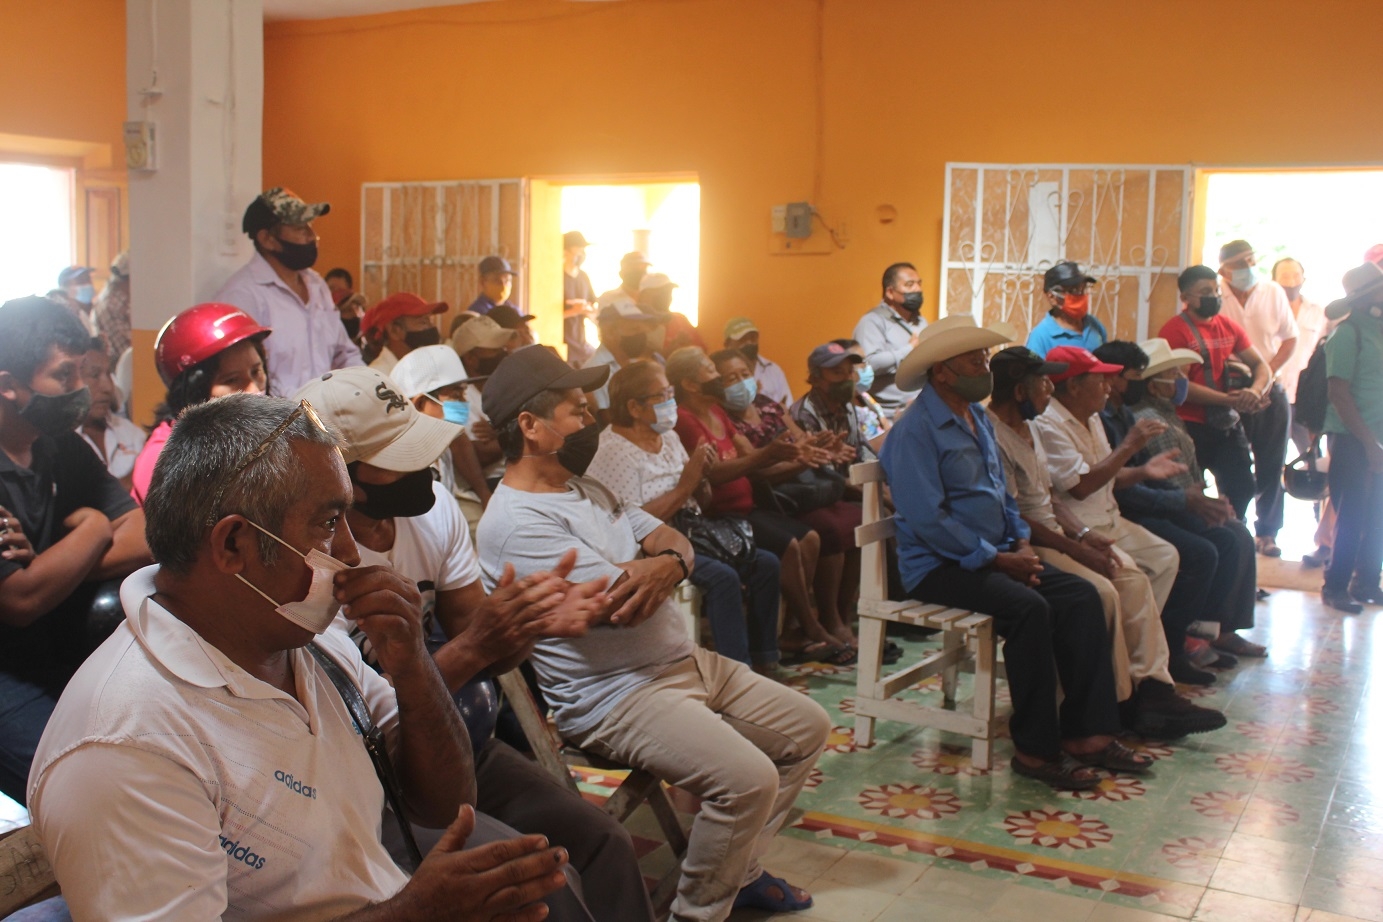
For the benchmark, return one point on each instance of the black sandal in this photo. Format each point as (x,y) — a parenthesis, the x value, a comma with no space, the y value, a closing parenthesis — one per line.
(1060,773)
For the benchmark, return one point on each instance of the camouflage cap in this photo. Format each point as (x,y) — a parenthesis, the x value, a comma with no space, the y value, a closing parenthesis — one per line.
(279,206)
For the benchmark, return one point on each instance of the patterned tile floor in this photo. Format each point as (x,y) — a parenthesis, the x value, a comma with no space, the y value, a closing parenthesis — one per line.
(1273,817)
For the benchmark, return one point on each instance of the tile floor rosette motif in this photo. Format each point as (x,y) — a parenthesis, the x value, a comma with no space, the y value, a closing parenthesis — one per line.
(1263,766)
(900,801)
(1057,829)
(949,759)
(1194,853)
(1113,788)
(1232,807)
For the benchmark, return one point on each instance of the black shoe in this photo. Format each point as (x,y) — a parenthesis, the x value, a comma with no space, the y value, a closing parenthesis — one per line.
(1182,671)
(1165,715)
(1225,661)
(1261,595)
(1372,595)
(1340,601)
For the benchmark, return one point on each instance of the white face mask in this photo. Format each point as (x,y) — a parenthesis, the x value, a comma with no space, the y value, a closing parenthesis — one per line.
(1242,278)
(667,416)
(315,612)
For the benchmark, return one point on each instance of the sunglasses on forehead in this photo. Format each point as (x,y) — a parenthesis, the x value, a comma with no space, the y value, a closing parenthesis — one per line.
(303,409)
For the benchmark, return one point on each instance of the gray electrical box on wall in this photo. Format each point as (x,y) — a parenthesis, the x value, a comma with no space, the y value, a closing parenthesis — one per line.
(798,220)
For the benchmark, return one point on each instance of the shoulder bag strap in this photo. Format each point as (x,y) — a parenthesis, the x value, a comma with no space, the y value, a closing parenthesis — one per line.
(1203,350)
(374,744)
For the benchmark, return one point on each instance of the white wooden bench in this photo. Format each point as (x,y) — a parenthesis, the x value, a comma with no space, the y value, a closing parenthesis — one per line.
(25,874)
(967,641)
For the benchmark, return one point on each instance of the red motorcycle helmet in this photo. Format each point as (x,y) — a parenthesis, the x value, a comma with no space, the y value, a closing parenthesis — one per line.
(200,332)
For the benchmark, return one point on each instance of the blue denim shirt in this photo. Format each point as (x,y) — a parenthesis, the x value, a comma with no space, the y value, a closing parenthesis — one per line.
(948,488)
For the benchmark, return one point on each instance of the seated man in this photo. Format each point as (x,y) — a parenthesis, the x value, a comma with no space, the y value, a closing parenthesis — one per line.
(636,689)
(401,323)
(628,333)
(742,333)
(833,372)
(66,525)
(405,520)
(1202,528)
(204,757)
(961,542)
(1152,708)
(116,440)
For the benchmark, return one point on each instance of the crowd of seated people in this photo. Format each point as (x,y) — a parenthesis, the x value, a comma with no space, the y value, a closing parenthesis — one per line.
(361,553)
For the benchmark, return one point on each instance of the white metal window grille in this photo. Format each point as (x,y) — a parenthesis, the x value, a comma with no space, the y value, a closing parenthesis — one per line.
(1006,224)
(429,237)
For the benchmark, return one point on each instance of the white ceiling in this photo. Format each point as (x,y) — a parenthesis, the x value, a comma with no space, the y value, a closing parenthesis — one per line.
(329,9)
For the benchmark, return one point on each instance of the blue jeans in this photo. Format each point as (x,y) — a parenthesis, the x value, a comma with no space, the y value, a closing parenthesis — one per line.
(26,703)
(1357,495)
(752,640)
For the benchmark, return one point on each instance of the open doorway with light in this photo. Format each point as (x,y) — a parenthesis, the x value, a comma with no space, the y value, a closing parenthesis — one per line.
(658,217)
(37,237)
(1324,219)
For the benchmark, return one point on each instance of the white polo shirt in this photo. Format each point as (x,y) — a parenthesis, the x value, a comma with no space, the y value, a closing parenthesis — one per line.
(123,442)
(1073,447)
(1266,316)
(309,339)
(171,784)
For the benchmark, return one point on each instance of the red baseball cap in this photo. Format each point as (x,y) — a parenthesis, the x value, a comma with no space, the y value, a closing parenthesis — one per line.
(1374,254)
(399,304)
(1079,362)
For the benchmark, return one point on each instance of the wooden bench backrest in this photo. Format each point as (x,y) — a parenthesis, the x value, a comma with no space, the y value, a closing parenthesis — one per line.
(874,529)
(25,874)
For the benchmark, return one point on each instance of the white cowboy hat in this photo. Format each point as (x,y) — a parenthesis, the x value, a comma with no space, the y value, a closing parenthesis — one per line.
(952,335)
(1161,357)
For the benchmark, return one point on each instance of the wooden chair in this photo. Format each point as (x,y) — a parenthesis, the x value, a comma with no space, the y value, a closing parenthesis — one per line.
(967,639)
(25,875)
(638,788)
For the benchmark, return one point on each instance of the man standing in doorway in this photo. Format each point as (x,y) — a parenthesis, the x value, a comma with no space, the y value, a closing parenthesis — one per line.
(496,284)
(1311,327)
(632,268)
(1262,309)
(279,290)
(578,298)
(77,294)
(888,332)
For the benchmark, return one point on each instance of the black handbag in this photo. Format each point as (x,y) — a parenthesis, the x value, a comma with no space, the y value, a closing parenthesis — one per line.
(729,540)
(813,489)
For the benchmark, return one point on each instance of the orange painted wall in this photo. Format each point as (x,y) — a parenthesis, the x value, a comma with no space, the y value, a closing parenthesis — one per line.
(63,70)
(725,88)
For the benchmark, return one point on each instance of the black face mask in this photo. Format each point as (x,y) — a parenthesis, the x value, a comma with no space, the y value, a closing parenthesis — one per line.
(841,391)
(750,351)
(579,449)
(634,345)
(912,301)
(296,256)
(352,325)
(714,389)
(1209,306)
(1135,392)
(56,416)
(485,367)
(1027,409)
(416,339)
(409,496)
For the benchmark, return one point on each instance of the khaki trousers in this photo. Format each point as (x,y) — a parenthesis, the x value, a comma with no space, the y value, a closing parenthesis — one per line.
(742,743)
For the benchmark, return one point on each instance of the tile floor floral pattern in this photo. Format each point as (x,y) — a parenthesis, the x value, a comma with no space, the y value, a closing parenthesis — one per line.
(1278,815)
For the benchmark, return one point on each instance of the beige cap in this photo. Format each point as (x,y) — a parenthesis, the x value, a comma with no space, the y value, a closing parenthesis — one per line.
(378,425)
(656,280)
(480,333)
(427,369)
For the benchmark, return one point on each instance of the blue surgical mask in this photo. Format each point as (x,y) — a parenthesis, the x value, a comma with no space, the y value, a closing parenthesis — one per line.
(667,416)
(740,395)
(1183,387)
(454,411)
(866,378)
(1242,278)
(85,294)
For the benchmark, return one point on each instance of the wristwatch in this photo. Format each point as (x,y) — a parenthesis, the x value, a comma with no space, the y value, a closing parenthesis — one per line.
(681,561)
(1080,535)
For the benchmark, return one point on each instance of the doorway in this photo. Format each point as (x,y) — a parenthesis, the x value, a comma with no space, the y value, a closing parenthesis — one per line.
(37,235)
(658,217)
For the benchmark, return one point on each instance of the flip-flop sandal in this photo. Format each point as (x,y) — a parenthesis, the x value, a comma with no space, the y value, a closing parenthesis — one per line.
(1059,773)
(1117,757)
(817,651)
(760,895)
(1233,643)
(892,653)
(841,656)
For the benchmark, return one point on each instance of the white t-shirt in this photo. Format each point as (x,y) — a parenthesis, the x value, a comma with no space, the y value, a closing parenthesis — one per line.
(584,677)
(1266,317)
(636,476)
(1311,327)
(171,784)
(433,550)
(123,443)
(1073,448)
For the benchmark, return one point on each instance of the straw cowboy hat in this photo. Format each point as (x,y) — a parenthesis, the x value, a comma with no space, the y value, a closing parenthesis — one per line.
(953,335)
(1162,357)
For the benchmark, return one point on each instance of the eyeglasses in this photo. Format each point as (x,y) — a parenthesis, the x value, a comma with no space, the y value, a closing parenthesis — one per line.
(303,409)
(665,394)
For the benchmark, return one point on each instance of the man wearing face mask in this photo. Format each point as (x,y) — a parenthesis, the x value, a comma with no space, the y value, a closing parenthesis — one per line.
(1262,308)
(742,334)
(404,322)
(279,289)
(222,751)
(633,266)
(76,292)
(65,523)
(628,334)
(404,519)
(655,297)
(1069,322)
(889,332)
(1215,404)
(636,689)
(830,404)
(962,542)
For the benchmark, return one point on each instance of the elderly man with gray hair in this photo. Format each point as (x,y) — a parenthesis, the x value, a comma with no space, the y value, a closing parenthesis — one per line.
(211,759)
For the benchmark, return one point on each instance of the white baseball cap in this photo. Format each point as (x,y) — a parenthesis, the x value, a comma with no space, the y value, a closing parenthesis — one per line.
(656,280)
(427,369)
(378,425)
(480,333)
